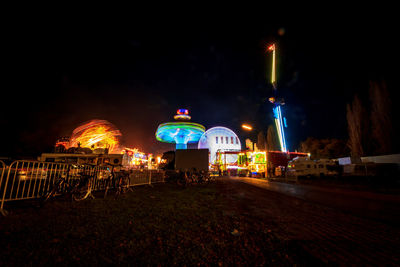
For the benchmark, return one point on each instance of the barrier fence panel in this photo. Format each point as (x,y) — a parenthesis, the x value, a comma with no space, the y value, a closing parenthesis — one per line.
(29,179)
(157,176)
(3,168)
(139,177)
(101,174)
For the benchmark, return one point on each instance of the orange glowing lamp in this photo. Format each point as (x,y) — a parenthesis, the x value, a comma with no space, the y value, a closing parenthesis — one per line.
(247,127)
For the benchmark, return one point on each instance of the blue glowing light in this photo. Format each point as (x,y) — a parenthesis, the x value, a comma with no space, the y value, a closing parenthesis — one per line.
(180,133)
(279,126)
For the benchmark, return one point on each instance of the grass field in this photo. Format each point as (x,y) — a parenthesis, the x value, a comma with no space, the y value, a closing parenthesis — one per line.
(160,225)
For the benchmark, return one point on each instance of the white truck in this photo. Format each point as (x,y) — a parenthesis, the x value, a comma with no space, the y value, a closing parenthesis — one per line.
(191,159)
(304,167)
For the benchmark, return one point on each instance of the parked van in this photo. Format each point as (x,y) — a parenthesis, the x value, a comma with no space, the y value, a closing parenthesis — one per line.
(304,167)
(389,170)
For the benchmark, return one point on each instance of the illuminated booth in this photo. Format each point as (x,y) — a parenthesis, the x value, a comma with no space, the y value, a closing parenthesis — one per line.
(249,163)
(256,163)
(133,158)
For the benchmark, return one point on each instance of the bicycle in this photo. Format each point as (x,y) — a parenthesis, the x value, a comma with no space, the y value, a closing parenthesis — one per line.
(79,186)
(184,179)
(83,189)
(122,183)
(118,180)
(209,178)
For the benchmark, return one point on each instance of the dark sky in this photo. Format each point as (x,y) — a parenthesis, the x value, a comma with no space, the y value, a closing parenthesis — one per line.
(137,79)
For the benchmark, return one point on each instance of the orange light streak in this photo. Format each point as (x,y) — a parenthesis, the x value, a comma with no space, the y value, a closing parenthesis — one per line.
(96,134)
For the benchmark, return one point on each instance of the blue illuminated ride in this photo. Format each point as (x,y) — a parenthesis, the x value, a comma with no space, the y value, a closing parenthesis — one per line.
(181,132)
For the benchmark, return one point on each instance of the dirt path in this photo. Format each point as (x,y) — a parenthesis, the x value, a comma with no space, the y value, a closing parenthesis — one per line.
(379,207)
(313,231)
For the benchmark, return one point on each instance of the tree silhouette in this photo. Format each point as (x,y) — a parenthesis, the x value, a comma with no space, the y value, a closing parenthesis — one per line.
(357,127)
(272,139)
(324,148)
(261,142)
(381,124)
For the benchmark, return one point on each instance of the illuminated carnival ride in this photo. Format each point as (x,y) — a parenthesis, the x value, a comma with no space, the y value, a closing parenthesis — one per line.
(95,138)
(181,132)
(280,121)
(96,134)
(220,139)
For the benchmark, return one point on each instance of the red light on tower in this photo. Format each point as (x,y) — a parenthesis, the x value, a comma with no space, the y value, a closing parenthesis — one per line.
(182,111)
(271,47)
(182,114)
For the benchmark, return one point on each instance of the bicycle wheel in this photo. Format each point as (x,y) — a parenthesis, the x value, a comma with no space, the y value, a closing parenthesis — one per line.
(109,184)
(123,184)
(51,194)
(82,190)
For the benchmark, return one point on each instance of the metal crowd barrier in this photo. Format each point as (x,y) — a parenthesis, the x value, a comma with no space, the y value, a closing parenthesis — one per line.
(101,175)
(141,177)
(3,168)
(29,179)
(32,179)
(157,176)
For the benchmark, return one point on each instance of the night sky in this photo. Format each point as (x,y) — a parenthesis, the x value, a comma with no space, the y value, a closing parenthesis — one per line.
(55,80)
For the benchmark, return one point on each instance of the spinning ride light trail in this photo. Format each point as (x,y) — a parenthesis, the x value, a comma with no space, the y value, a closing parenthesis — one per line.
(96,134)
(277,110)
(180,132)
